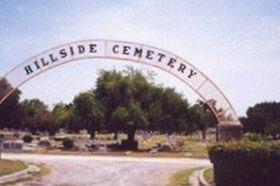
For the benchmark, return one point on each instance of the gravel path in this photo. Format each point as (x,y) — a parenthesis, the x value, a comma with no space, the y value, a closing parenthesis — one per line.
(106,171)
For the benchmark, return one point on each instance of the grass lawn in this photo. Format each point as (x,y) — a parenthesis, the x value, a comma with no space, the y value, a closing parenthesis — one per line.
(192,148)
(196,150)
(182,147)
(209,175)
(43,172)
(9,167)
(181,178)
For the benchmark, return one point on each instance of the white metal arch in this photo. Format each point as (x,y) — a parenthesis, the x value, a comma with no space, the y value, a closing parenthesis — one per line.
(123,50)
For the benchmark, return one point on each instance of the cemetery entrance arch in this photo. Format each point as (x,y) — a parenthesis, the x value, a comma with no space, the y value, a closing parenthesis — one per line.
(204,87)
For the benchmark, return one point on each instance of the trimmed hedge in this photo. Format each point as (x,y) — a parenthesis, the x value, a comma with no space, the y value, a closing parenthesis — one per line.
(246,163)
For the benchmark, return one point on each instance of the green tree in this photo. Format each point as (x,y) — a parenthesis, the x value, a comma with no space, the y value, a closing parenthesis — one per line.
(63,115)
(129,120)
(175,110)
(273,129)
(119,119)
(202,117)
(112,90)
(263,118)
(116,89)
(136,119)
(155,115)
(199,119)
(88,112)
(9,109)
(164,108)
(36,117)
(138,85)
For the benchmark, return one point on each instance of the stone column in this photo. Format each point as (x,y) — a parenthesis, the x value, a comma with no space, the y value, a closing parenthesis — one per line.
(229,131)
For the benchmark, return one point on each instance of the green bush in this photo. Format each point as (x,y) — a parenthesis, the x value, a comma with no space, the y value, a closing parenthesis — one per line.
(27,138)
(255,137)
(67,143)
(2,136)
(246,163)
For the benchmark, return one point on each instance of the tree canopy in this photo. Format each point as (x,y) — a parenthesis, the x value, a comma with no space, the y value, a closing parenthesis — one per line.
(88,112)
(10,108)
(263,118)
(36,116)
(122,101)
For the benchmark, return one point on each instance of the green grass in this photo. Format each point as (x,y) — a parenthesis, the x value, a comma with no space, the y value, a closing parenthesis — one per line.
(196,150)
(209,175)
(193,148)
(9,167)
(184,147)
(181,178)
(43,172)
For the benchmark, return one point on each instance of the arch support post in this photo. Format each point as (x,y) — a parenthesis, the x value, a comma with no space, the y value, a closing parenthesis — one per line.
(229,131)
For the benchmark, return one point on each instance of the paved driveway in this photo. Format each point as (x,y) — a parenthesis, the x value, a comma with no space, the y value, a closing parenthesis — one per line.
(106,171)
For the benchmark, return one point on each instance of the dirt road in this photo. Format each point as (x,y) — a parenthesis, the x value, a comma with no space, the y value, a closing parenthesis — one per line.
(106,171)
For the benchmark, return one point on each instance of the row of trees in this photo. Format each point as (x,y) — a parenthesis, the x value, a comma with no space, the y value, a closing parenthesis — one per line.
(124,102)
(121,102)
(264,119)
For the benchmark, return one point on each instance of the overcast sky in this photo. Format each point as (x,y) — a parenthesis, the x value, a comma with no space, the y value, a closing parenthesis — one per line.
(236,43)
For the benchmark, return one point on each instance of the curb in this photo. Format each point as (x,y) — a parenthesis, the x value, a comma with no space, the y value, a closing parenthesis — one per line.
(201,180)
(19,175)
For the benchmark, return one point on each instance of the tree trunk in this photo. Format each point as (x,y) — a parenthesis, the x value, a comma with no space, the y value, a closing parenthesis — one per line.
(203,132)
(130,135)
(115,135)
(92,134)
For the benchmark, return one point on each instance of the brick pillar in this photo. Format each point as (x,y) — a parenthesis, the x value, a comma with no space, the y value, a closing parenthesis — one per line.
(228,131)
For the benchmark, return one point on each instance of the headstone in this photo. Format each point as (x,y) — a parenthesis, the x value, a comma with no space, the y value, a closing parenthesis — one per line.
(102,149)
(83,148)
(45,143)
(12,145)
(153,151)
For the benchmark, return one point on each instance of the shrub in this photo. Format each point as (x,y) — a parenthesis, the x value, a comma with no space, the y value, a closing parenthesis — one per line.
(255,137)
(68,143)
(246,163)
(27,138)
(2,136)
